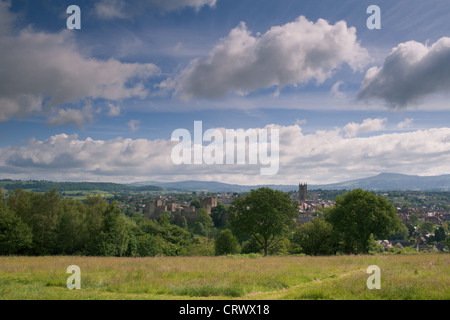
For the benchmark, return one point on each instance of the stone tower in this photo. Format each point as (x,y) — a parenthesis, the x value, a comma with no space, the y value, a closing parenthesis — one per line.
(303,192)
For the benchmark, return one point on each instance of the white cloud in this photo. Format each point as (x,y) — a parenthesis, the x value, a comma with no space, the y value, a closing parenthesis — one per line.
(319,157)
(335,90)
(301,122)
(411,72)
(72,116)
(41,71)
(134,125)
(368,125)
(291,54)
(114,110)
(109,9)
(405,124)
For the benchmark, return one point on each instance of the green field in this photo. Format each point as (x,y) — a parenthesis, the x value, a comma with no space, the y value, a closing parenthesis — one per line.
(418,277)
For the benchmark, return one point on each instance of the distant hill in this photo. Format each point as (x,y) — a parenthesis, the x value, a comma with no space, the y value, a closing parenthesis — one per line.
(44,186)
(381,182)
(393,182)
(206,186)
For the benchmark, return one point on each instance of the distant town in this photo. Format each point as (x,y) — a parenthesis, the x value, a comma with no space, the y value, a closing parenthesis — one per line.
(421,212)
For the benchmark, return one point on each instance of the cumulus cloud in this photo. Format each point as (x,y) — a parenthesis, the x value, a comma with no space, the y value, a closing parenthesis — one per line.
(290,54)
(41,71)
(114,110)
(411,72)
(74,117)
(318,157)
(328,155)
(368,125)
(89,158)
(109,9)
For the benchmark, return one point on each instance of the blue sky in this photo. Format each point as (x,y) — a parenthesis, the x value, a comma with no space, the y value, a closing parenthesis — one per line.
(349,102)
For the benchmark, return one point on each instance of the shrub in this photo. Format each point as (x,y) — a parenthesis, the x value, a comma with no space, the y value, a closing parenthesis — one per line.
(226,243)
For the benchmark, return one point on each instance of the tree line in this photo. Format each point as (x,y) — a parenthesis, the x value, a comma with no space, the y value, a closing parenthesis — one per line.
(46,224)
(263,222)
(45,186)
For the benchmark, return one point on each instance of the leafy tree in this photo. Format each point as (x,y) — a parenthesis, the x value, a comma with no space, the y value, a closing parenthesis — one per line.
(201,246)
(149,245)
(410,228)
(414,219)
(174,240)
(70,228)
(439,234)
(93,218)
(199,229)
(264,214)
(283,248)
(226,243)
(316,237)
(447,243)
(196,203)
(358,214)
(374,247)
(251,246)
(203,224)
(40,212)
(183,223)
(426,227)
(400,234)
(219,215)
(15,235)
(115,233)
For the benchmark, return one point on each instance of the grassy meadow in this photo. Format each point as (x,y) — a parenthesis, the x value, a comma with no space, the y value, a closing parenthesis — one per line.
(417,277)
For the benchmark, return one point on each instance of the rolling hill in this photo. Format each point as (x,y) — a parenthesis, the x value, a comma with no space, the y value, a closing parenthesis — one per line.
(381,182)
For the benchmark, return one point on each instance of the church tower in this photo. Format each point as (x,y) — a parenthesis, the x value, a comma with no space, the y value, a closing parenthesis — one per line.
(303,192)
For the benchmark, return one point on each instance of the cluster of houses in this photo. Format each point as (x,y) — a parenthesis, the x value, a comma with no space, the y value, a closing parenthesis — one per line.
(437,217)
(418,246)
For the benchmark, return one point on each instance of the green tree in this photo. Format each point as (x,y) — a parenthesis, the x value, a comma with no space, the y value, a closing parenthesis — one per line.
(426,227)
(226,243)
(183,223)
(439,234)
(400,234)
(93,217)
(447,243)
(414,219)
(316,237)
(196,203)
(70,228)
(115,233)
(203,224)
(264,214)
(149,245)
(15,235)
(410,228)
(251,246)
(358,214)
(172,240)
(40,212)
(219,215)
